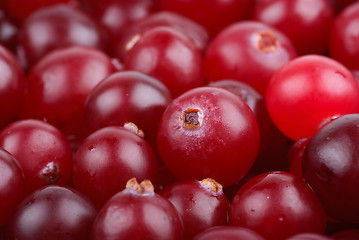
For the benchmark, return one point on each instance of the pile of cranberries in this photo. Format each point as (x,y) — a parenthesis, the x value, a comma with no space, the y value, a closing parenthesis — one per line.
(179,120)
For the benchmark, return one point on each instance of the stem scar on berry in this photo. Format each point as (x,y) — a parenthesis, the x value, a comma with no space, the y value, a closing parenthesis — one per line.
(191,118)
(266,41)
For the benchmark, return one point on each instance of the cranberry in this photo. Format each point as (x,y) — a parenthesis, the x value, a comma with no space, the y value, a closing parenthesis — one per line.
(214,15)
(127,96)
(162,18)
(170,56)
(308,92)
(228,233)
(208,132)
(309,236)
(201,204)
(107,158)
(307,23)
(12,87)
(52,212)
(56,27)
(331,167)
(116,15)
(11,186)
(59,85)
(248,51)
(295,155)
(8,31)
(137,212)
(42,151)
(344,37)
(277,205)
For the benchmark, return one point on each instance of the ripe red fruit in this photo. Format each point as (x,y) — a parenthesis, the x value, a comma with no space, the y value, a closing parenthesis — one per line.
(107,158)
(11,186)
(12,87)
(248,51)
(306,23)
(133,32)
(55,27)
(308,92)
(52,212)
(42,151)
(331,167)
(200,204)
(170,56)
(137,213)
(277,205)
(59,84)
(344,37)
(228,233)
(127,96)
(208,132)
(214,15)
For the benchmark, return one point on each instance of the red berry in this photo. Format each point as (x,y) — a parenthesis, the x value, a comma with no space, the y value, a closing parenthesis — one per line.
(277,205)
(42,151)
(214,15)
(137,213)
(248,51)
(208,132)
(331,167)
(307,23)
(308,92)
(201,204)
(170,56)
(344,37)
(12,87)
(127,96)
(11,186)
(107,158)
(52,212)
(59,84)
(228,233)
(55,27)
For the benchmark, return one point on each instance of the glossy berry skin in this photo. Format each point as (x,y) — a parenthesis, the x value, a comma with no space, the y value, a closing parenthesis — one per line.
(107,158)
(57,87)
(214,15)
(12,87)
(131,34)
(248,51)
(56,27)
(208,132)
(277,205)
(11,186)
(42,151)
(201,204)
(137,213)
(344,37)
(254,100)
(228,233)
(170,56)
(127,96)
(330,166)
(306,23)
(52,212)
(295,155)
(116,15)
(309,236)
(308,92)
(8,31)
